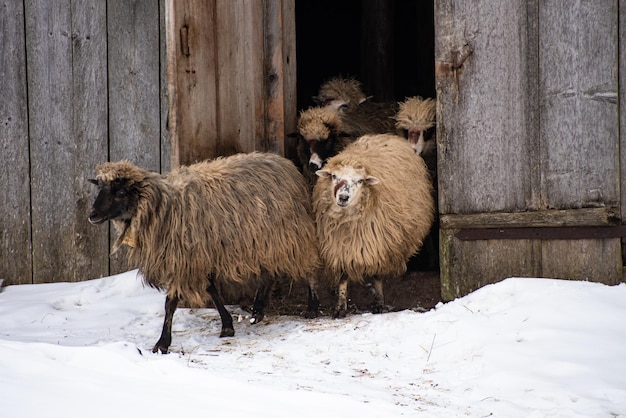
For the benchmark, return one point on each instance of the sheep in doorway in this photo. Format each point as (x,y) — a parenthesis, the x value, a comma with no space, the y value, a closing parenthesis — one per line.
(373,207)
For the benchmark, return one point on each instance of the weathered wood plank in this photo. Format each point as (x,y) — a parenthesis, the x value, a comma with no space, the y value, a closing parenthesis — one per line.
(472,264)
(273,73)
(15,238)
(544,218)
(166,145)
(239,44)
(134,94)
(65,44)
(622,114)
(485,112)
(592,260)
(290,76)
(89,133)
(192,85)
(579,103)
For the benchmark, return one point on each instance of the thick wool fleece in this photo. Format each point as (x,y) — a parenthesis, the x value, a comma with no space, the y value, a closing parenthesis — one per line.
(238,219)
(377,235)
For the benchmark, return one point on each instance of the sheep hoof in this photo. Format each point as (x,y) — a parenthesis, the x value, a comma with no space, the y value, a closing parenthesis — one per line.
(311,314)
(159,347)
(378,309)
(256,318)
(227,332)
(340,313)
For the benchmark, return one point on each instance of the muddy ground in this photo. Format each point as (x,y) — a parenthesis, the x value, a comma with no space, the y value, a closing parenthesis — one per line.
(417,290)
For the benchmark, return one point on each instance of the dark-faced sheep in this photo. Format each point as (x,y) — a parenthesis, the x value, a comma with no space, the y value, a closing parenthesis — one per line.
(373,207)
(320,136)
(231,223)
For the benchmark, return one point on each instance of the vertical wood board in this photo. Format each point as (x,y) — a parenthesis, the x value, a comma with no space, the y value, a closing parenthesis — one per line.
(485,116)
(273,75)
(15,239)
(239,45)
(89,135)
(579,107)
(166,146)
(64,46)
(134,94)
(192,85)
(289,76)
(622,108)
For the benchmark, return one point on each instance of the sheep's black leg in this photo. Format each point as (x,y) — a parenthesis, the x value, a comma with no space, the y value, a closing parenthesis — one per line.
(227,320)
(261,300)
(379,298)
(313,302)
(342,298)
(166,334)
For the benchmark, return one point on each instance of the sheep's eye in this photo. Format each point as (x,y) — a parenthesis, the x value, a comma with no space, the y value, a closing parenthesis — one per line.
(120,193)
(359,182)
(334,177)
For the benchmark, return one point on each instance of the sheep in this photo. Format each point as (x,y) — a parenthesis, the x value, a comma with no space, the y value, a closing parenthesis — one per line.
(232,223)
(373,206)
(320,135)
(340,93)
(416,116)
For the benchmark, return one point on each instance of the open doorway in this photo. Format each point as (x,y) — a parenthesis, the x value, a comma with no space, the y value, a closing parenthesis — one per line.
(388,46)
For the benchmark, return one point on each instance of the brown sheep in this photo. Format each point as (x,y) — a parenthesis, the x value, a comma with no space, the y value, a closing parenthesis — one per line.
(340,93)
(320,136)
(416,116)
(373,207)
(231,223)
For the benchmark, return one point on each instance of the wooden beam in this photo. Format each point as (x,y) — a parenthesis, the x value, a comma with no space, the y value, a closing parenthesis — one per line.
(564,233)
(534,219)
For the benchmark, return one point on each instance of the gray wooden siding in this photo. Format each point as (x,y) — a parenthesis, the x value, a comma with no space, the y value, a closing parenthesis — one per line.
(15,235)
(83,83)
(528,124)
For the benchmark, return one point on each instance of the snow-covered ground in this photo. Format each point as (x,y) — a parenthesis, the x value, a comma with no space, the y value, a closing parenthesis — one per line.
(519,348)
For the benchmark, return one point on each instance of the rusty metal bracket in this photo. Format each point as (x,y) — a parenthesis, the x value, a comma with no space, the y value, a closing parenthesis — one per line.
(544,233)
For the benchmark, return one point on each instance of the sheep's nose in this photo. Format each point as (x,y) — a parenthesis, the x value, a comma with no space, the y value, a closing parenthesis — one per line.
(315,162)
(95,219)
(342,199)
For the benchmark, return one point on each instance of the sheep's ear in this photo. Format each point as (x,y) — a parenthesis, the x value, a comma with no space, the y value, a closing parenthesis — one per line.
(93,181)
(323,173)
(371,180)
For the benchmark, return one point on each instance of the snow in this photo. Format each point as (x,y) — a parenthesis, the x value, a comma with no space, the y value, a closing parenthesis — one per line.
(519,348)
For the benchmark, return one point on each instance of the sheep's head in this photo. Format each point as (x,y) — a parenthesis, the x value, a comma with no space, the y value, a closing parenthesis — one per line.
(416,116)
(321,128)
(340,94)
(348,183)
(118,192)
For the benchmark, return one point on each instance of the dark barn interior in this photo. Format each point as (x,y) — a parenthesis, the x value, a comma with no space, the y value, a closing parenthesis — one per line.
(388,45)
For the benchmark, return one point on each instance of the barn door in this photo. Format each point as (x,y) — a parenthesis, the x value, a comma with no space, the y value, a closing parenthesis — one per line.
(231,76)
(529,140)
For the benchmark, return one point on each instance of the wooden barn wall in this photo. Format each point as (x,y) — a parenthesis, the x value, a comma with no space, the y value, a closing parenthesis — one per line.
(231,78)
(82,83)
(528,123)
